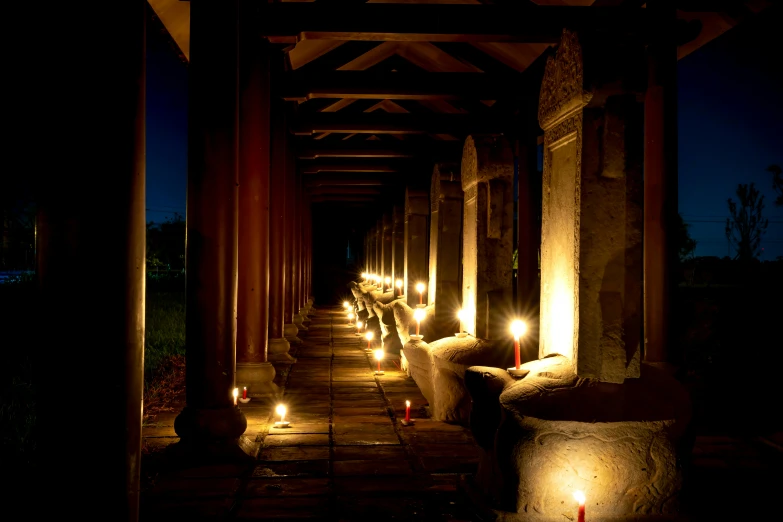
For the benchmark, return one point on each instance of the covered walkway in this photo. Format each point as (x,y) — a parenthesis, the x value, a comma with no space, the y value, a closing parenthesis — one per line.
(345,457)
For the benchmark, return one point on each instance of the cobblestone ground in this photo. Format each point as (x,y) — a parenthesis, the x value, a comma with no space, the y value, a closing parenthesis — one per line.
(346,456)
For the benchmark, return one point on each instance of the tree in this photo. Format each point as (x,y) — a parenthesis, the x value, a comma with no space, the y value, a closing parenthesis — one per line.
(746,226)
(686,245)
(777,183)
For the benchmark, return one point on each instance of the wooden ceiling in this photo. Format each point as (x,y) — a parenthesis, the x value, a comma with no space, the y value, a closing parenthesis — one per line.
(377,93)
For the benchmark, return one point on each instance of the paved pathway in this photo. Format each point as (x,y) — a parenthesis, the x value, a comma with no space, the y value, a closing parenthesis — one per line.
(348,458)
(345,457)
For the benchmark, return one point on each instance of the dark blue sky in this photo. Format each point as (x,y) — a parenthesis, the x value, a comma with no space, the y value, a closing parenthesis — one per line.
(730,130)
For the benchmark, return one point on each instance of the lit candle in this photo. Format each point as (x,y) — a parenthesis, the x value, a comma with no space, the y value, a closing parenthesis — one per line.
(461,317)
(379,356)
(398,284)
(359,325)
(244,392)
(280,410)
(364,276)
(420,289)
(350,318)
(236,394)
(518,329)
(418,315)
(368,336)
(346,305)
(407,411)
(388,282)
(580,497)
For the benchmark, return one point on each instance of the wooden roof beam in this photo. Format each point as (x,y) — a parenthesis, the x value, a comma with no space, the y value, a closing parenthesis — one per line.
(399,86)
(317,166)
(385,123)
(372,149)
(342,180)
(290,22)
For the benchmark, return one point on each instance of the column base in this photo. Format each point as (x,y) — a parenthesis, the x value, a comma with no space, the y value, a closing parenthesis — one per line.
(298,322)
(290,331)
(303,312)
(277,350)
(259,379)
(241,451)
(212,434)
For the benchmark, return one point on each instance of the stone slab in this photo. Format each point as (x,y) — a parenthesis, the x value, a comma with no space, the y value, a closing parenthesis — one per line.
(275,440)
(294,453)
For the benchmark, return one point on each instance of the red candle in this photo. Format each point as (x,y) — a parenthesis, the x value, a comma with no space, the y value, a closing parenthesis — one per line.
(581,513)
(244,392)
(580,497)
(516,352)
(417,327)
(368,344)
(518,329)
(407,411)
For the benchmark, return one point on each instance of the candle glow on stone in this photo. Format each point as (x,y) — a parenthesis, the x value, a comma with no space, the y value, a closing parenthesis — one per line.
(418,315)
(281,410)
(518,329)
(580,497)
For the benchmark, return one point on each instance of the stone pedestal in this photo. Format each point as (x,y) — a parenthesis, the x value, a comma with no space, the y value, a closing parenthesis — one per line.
(278,349)
(258,378)
(291,333)
(488,235)
(445,289)
(620,444)
(417,209)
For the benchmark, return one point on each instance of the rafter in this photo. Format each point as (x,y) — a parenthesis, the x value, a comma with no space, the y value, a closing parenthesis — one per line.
(347,165)
(292,22)
(372,149)
(383,123)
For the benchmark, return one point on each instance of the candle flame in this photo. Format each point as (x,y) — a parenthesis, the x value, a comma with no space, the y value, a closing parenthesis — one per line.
(369,335)
(398,283)
(420,287)
(379,354)
(350,316)
(346,305)
(461,315)
(236,392)
(518,329)
(419,314)
(281,410)
(359,324)
(388,280)
(364,275)
(580,497)
(408,404)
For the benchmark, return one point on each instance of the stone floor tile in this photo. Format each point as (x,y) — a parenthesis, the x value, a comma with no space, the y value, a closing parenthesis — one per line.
(286,487)
(294,453)
(372,467)
(283,508)
(301,468)
(310,439)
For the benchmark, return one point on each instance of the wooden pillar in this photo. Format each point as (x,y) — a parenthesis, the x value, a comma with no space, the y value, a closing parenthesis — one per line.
(417,209)
(445,286)
(210,423)
(660,183)
(89,344)
(528,239)
(398,245)
(299,317)
(290,329)
(379,248)
(278,344)
(386,249)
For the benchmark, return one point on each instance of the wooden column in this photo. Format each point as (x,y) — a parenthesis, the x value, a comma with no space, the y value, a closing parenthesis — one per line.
(386,248)
(398,245)
(299,317)
(210,423)
(445,268)
(417,209)
(290,329)
(88,346)
(278,345)
(528,239)
(379,248)
(660,183)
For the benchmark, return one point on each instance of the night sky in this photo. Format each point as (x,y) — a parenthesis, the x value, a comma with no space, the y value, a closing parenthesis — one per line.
(730,130)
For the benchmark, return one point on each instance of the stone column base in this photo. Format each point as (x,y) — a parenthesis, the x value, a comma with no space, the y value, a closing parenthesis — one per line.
(258,377)
(298,322)
(277,350)
(303,312)
(212,434)
(290,331)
